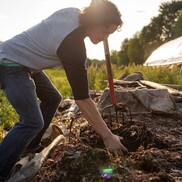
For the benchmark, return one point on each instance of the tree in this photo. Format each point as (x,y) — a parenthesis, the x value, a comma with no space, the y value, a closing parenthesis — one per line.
(171,13)
(123,53)
(178,28)
(135,51)
(114,57)
(161,28)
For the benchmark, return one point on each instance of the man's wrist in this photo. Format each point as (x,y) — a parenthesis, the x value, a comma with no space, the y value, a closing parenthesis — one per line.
(106,135)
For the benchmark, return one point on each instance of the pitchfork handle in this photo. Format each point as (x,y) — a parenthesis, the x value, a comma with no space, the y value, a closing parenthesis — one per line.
(109,71)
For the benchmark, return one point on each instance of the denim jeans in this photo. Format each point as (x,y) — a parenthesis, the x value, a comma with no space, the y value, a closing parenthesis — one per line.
(35,100)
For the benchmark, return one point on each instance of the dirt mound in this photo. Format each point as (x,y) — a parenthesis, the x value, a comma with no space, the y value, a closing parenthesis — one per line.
(153,141)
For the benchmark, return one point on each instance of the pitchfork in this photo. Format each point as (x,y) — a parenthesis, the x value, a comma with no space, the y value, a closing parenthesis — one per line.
(120,110)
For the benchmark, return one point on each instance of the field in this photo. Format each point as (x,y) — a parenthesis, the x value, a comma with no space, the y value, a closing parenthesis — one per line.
(97,77)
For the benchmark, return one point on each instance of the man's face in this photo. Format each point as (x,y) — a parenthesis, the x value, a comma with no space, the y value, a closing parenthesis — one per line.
(98,34)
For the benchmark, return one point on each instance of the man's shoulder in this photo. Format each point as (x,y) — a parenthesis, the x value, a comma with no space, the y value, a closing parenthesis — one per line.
(67,11)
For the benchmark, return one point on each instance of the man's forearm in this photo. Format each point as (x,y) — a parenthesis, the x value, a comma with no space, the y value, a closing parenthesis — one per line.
(90,111)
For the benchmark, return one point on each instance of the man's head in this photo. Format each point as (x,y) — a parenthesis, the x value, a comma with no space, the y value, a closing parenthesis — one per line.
(100,19)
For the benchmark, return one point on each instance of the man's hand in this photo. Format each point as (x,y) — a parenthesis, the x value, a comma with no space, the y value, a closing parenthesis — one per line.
(114,145)
(111,141)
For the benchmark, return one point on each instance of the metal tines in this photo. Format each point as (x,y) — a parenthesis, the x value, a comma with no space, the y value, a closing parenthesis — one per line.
(119,112)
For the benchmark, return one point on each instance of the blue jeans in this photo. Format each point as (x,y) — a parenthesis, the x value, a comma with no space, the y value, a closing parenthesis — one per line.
(22,90)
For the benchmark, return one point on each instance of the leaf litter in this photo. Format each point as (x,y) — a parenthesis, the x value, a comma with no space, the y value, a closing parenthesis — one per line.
(154,142)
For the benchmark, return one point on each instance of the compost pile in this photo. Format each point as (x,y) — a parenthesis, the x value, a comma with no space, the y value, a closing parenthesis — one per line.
(154,142)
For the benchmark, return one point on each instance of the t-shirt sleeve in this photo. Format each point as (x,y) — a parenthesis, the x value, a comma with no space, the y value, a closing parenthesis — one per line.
(72,53)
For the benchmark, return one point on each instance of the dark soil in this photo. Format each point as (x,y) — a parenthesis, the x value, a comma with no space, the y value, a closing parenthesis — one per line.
(154,142)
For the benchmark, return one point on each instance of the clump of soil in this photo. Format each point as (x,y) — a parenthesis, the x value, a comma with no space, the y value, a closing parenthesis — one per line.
(153,142)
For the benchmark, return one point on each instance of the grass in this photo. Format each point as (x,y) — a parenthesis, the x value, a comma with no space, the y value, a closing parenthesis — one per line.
(58,78)
(96,75)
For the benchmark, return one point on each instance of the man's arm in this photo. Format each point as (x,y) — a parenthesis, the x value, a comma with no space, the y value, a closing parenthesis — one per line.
(72,53)
(90,111)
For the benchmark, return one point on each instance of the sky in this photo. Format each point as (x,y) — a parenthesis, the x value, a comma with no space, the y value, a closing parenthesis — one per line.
(17,16)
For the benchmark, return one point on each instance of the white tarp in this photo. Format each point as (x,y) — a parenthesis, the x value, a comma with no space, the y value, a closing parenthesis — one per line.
(168,53)
(141,100)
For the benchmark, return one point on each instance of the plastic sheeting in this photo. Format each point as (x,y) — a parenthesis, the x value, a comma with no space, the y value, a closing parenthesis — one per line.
(168,53)
(141,100)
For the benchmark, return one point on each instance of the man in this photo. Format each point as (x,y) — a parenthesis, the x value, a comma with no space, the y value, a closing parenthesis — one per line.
(57,40)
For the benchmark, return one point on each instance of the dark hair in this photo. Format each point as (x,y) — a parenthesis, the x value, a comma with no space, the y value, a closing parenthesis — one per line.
(101,13)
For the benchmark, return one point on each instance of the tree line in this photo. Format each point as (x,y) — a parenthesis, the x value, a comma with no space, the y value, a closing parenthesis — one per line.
(167,25)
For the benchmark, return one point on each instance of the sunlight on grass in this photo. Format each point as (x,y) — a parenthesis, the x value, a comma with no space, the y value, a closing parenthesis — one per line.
(96,75)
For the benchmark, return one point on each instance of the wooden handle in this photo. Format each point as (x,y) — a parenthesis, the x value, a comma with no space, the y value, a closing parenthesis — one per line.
(109,72)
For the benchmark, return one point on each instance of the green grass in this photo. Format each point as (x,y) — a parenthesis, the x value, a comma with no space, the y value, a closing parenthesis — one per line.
(8,115)
(58,78)
(163,75)
(96,75)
